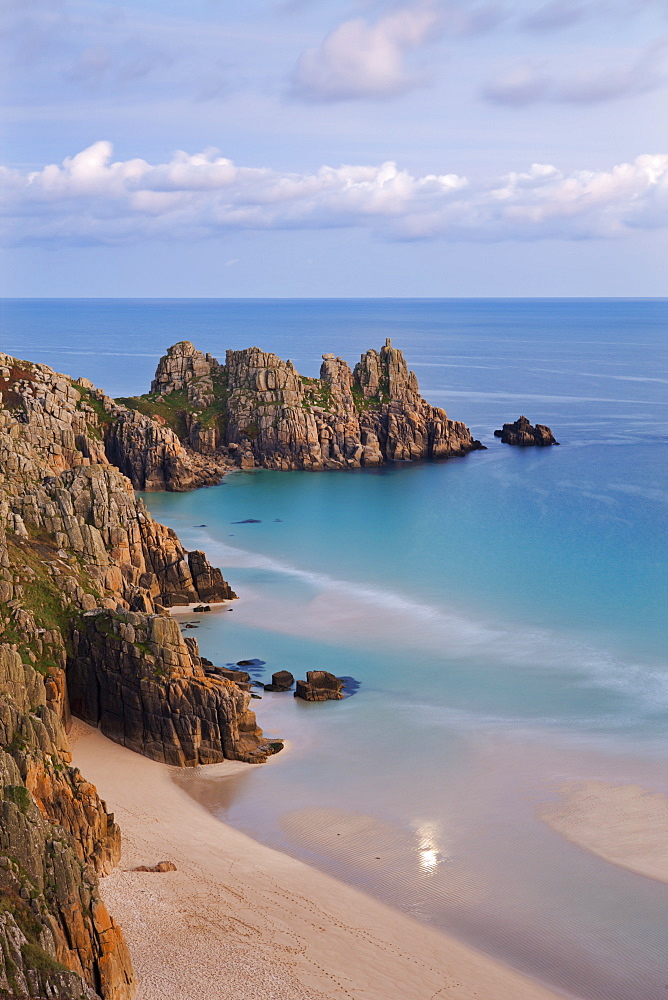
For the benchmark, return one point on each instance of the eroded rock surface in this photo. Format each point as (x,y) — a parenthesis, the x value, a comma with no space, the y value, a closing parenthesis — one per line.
(135,676)
(319,685)
(56,838)
(257,410)
(86,575)
(524,434)
(282,680)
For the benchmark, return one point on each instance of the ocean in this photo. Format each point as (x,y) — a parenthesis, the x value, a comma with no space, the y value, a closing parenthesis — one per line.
(503,615)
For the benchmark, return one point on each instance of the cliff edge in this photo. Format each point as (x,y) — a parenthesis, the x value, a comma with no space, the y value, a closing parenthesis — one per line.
(86,575)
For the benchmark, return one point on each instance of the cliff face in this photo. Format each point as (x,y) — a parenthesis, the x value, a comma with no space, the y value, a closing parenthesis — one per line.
(257,410)
(136,677)
(56,837)
(85,577)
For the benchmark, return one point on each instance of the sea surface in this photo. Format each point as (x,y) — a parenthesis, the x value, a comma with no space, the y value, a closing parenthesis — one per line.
(503,615)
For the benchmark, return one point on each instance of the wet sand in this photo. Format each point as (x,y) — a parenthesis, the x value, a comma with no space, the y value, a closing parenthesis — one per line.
(624,824)
(238,919)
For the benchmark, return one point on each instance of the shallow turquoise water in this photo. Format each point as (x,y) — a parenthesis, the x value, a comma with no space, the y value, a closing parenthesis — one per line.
(504,613)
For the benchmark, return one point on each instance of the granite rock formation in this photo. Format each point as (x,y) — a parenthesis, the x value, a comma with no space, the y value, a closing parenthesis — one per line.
(85,578)
(134,676)
(525,435)
(282,680)
(257,410)
(319,685)
(56,838)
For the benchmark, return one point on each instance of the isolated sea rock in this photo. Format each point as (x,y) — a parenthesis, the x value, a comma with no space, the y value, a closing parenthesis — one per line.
(524,434)
(282,680)
(319,685)
(257,410)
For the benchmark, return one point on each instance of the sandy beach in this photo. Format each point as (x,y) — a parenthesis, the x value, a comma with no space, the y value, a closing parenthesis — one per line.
(624,824)
(240,920)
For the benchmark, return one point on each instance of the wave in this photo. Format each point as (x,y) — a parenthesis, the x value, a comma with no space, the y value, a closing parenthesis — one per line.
(363,615)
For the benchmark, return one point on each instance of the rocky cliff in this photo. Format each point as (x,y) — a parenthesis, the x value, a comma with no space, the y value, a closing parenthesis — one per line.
(85,578)
(257,410)
(56,837)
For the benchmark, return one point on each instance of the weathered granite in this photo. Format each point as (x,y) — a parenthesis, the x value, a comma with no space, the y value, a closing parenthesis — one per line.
(56,837)
(282,680)
(85,578)
(319,685)
(185,368)
(259,411)
(135,677)
(524,434)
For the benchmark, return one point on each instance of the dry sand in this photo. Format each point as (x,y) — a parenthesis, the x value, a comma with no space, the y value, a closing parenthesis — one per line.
(624,824)
(240,921)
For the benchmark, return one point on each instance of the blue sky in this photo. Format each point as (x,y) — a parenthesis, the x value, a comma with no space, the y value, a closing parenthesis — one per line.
(325,148)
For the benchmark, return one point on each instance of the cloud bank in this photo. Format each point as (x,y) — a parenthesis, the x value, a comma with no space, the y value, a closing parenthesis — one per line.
(92,199)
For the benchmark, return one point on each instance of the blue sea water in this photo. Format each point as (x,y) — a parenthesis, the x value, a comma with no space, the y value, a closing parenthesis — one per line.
(505,614)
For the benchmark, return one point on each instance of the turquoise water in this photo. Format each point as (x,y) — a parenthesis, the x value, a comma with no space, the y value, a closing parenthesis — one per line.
(503,613)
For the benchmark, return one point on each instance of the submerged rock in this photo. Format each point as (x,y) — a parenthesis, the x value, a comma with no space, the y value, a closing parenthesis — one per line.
(524,434)
(319,685)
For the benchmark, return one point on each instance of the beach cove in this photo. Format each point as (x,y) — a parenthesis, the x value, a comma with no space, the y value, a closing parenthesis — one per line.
(238,919)
(501,616)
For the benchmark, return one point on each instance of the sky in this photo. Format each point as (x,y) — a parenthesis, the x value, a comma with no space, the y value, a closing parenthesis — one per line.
(271,148)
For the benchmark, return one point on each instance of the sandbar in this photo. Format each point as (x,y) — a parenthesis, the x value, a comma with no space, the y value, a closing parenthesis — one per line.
(239,920)
(624,824)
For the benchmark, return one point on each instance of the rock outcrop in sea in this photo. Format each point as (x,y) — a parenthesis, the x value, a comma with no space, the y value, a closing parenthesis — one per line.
(525,435)
(257,410)
(319,685)
(86,575)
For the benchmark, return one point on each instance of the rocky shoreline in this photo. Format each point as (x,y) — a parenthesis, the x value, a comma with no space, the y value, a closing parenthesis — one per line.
(86,578)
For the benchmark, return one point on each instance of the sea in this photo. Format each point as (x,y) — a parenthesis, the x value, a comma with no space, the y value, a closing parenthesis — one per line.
(501,617)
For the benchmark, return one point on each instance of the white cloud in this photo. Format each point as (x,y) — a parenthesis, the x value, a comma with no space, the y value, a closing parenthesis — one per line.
(92,199)
(367,59)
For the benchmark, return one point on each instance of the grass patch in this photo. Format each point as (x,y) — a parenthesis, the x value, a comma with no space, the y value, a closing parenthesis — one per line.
(36,958)
(363,403)
(317,393)
(174,408)
(88,397)
(19,795)
(11,902)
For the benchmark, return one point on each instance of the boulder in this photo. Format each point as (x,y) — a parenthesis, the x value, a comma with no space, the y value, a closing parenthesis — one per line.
(319,685)
(282,680)
(162,866)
